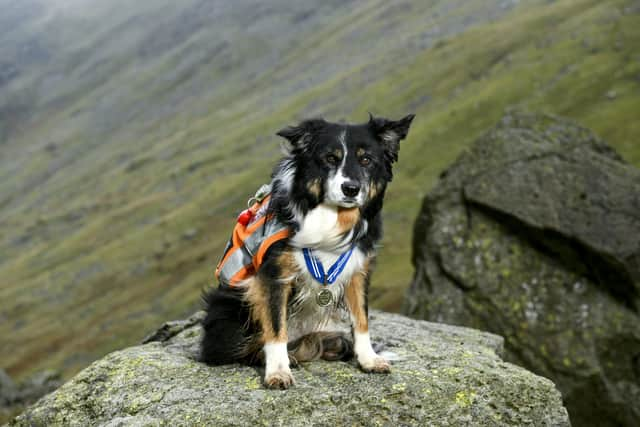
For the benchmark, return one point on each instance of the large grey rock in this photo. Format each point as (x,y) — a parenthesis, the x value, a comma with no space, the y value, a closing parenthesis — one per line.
(534,234)
(446,376)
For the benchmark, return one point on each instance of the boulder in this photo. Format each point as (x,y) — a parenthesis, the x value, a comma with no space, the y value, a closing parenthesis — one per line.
(534,234)
(444,375)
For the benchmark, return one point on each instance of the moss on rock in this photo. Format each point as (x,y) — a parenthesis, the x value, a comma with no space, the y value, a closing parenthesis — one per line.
(445,375)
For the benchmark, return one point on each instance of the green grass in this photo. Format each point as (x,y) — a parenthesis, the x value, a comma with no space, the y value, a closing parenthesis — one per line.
(85,286)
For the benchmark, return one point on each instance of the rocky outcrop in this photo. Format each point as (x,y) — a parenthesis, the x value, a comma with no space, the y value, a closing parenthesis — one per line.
(534,234)
(444,375)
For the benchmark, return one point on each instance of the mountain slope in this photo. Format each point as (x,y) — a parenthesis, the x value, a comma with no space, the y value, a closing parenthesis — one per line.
(132,135)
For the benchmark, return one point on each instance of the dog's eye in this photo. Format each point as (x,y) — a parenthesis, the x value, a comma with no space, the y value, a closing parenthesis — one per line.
(332,159)
(365,160)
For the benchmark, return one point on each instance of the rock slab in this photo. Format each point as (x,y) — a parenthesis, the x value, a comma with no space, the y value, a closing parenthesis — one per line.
(444,376)
(534,234)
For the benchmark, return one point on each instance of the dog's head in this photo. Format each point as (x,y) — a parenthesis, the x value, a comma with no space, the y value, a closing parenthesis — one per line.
(341,164)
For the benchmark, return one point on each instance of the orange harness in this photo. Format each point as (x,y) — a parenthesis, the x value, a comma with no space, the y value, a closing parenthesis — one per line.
(255,232)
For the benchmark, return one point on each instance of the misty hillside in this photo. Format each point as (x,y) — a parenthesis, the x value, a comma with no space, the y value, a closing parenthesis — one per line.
(131,134)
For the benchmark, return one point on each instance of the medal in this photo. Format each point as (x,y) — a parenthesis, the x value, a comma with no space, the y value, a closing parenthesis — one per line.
(324,297)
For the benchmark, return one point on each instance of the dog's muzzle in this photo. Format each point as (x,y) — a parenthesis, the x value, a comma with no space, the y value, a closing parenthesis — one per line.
(350,189)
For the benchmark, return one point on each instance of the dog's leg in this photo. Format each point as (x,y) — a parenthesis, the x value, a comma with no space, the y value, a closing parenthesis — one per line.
(356,299)
(268,296)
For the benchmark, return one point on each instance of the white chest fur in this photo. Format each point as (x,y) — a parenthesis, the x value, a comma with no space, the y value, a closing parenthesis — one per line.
(306,315)
(319,230)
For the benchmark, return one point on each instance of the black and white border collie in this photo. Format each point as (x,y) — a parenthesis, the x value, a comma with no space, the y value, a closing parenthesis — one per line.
(328,190)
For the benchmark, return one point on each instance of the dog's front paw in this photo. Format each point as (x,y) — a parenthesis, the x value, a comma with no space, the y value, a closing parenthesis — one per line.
(279,380)
(377,364)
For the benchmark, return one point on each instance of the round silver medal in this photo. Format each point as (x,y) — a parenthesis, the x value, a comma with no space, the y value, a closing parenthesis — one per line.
(324,297)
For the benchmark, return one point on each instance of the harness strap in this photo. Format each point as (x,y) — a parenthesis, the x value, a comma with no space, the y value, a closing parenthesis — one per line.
(249,243)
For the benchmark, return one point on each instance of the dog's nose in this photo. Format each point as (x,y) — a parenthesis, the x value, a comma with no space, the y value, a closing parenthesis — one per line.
(350,189)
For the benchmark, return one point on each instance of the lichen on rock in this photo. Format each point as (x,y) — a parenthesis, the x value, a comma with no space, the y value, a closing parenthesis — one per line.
(444,376)
(534,234)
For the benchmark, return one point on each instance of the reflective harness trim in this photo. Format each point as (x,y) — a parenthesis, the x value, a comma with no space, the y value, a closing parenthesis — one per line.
(248,245)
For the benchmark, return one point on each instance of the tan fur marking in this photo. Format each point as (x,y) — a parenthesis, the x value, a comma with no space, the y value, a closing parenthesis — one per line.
(289,270)
(257,296)
(374,190)
(314,187)
(360,152)
(347,218)
(288,265)
(355,298)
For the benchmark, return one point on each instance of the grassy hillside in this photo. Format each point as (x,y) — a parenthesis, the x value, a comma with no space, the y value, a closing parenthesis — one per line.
(130,136)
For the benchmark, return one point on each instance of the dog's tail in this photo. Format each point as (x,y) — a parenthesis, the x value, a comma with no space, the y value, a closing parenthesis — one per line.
(321,345)
(229,335)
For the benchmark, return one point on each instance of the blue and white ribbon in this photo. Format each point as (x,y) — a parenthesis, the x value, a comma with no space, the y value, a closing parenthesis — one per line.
(314,265)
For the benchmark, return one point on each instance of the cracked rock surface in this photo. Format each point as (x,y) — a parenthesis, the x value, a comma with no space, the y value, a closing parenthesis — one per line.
(446,375)
(534,234)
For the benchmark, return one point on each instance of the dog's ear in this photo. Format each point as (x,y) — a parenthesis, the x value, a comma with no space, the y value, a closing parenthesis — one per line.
(390,133)
(299,136)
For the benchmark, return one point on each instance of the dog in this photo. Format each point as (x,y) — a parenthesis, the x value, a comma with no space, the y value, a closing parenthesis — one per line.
(325,201)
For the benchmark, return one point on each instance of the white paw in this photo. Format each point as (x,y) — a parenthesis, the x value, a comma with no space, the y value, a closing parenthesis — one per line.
(277,373)
(281,379)
(368,360)
(377,364)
